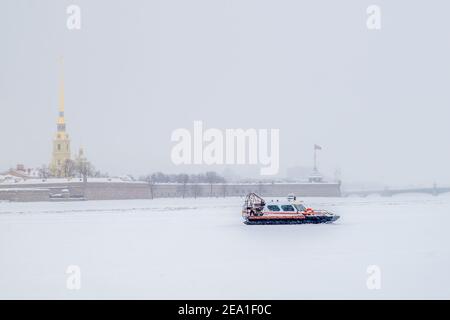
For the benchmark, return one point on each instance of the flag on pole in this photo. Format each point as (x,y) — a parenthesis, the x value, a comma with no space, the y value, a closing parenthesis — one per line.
(317,147)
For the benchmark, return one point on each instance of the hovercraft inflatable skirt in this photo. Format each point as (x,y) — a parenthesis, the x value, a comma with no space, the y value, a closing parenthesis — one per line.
(310,219)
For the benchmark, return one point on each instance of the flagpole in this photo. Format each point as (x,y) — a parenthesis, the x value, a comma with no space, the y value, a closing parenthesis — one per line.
(315,159)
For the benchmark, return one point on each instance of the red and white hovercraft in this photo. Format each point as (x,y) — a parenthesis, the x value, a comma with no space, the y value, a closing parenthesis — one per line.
(290,211)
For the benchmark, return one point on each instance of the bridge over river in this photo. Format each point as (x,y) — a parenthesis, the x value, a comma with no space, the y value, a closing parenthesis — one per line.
(435,191)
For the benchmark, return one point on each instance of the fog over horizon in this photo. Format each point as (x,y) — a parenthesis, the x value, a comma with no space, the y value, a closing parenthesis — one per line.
(377,102)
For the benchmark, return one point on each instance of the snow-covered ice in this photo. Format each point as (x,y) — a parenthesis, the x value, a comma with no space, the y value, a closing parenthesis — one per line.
(200,249)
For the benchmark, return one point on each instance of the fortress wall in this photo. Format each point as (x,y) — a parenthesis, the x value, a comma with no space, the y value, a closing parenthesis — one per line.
(24,195)
(116,190)
(126,190)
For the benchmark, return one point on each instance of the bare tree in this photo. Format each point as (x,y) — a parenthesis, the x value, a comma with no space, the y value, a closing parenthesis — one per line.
(160,177)
(69,168)
(99,174)
(44,172)
(150,179)
(196,190)
(212,178)
(183,179)
(85,169)
(224,190)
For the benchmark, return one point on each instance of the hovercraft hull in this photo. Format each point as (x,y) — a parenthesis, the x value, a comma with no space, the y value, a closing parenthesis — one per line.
(256,212)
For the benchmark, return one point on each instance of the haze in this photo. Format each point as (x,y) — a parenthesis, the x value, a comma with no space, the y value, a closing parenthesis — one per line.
(376,101)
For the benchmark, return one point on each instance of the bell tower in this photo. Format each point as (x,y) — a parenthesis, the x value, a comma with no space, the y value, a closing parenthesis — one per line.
(61,142)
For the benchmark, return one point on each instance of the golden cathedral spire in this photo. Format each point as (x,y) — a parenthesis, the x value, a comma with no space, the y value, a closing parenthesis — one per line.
(61,121)
(61,143)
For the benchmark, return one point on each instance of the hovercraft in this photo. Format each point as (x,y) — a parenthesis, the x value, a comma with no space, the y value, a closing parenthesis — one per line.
(257,211)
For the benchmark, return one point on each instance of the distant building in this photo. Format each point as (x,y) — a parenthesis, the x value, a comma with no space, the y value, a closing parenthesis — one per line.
(80,159)
(21,172)
(298,173)
(315,177)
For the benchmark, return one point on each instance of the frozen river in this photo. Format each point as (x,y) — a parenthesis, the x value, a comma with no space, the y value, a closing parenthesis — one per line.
(200,249)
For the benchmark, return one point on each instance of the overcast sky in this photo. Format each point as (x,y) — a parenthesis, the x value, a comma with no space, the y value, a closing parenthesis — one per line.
(376,101)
